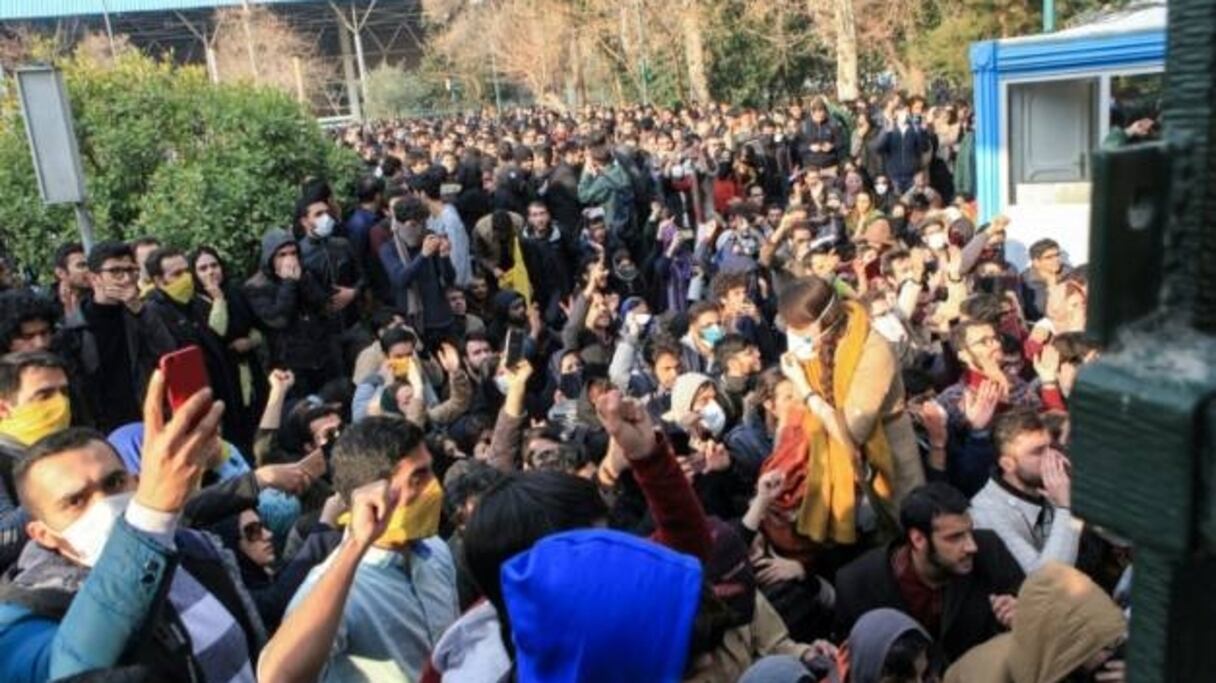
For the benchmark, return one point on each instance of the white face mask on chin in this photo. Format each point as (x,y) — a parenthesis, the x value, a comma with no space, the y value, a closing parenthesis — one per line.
(89,533)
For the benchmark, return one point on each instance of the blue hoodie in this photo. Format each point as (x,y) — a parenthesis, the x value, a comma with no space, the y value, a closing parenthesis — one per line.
(599,606)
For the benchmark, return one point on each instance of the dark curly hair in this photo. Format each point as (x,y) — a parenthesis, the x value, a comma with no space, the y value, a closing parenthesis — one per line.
(20,306)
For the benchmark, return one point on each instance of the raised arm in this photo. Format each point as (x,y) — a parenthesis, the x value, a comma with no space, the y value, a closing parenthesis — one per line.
(301,647)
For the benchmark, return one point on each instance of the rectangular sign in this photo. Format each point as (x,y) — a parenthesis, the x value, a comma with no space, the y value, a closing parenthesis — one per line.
(48,123)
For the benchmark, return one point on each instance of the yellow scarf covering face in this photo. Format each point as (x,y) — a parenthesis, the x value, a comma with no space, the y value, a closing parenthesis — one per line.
(36,419)
(413,522)
(828,511)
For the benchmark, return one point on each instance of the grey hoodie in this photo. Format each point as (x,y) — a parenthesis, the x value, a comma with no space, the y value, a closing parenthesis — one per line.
(871,640)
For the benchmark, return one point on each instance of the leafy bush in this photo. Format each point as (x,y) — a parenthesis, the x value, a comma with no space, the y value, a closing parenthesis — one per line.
(167,153)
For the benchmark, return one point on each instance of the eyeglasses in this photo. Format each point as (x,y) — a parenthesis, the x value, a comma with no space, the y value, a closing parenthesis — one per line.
(119,272)
(253,531)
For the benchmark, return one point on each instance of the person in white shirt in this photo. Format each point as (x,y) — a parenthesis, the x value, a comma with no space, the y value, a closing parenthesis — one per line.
(1027,502)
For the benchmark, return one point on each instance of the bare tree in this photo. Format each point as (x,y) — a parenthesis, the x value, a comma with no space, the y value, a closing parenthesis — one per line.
(846,50)
(691,25)
(256,45)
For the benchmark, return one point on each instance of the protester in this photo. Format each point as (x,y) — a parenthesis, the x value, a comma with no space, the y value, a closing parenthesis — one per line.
(1028,502)
(741,339)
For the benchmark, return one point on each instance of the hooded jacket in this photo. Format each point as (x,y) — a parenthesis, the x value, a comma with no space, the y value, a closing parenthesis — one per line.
(291,311)
(596,606)
(1063,619)
(871,639)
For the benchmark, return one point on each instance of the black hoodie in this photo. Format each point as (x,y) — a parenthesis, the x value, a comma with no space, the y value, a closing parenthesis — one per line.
(292,313)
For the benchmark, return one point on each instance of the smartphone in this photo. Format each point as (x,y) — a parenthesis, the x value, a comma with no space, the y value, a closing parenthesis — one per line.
(185,374)
(514,348)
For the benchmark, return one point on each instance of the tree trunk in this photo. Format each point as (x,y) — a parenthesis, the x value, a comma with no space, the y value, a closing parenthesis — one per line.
(846,51)
(694,50)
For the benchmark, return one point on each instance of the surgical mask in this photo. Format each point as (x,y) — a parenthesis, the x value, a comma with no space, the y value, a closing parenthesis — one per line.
(677,171)
(502,384)
(936,241)
(712,334)
(89,533)
(779,137)
(324,226)
(30,422)
(643,319)
(890,327)
(714,418)
(180,290)
(881,188)
(802,347)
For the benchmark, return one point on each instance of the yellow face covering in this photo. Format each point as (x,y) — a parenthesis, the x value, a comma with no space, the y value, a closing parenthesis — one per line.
(413,522)
(180,290)
(400,366)
(36,419)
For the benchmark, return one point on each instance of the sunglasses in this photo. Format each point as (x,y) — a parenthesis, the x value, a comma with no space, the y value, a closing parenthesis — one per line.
(253,531)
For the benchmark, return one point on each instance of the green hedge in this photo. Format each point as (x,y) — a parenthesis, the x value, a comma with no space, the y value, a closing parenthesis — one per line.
(167,153)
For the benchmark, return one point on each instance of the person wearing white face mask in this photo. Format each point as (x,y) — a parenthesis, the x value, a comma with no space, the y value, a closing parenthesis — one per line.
(847,375)
(329,258)
(110,579)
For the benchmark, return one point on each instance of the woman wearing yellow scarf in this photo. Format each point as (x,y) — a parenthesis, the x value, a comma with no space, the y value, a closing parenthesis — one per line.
(859,438)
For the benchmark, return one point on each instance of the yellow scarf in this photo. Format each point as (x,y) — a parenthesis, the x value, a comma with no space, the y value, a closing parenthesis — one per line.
(828,511)
(413,522)
(36,419)
(517,278)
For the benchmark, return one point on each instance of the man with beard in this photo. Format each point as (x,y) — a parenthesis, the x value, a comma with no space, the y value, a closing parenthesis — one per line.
(1027,501)
(986,389)
(419,270)
(958,582)
(71,279)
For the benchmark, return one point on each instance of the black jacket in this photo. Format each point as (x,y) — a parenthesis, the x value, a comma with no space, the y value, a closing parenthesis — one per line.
(145,340)
(817,134)
(561,196)
(967,620)
(333,263)
(901,153)
(187,324)
(293,313)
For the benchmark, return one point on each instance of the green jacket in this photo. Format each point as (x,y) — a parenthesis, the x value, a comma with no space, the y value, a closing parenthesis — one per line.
(613,190)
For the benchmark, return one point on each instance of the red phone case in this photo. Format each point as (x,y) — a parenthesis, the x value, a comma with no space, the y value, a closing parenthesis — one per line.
(185,374)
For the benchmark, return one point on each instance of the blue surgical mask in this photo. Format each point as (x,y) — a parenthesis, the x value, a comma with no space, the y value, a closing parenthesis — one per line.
(712,334)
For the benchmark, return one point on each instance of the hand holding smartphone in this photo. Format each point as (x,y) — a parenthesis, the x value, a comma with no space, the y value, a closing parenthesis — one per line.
(185,373)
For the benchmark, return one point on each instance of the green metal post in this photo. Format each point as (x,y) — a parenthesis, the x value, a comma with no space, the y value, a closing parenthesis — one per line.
(1049,16)
(1144,455)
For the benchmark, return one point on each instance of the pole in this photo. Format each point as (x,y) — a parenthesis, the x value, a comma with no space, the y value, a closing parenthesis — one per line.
(253,59)
(213,67)
(1049,16)
(105,15)
(348,67)
(85,223)
(299,73)
(355,24)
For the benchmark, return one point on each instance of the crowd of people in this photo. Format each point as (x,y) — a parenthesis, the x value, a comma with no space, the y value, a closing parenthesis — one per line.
(616,394)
